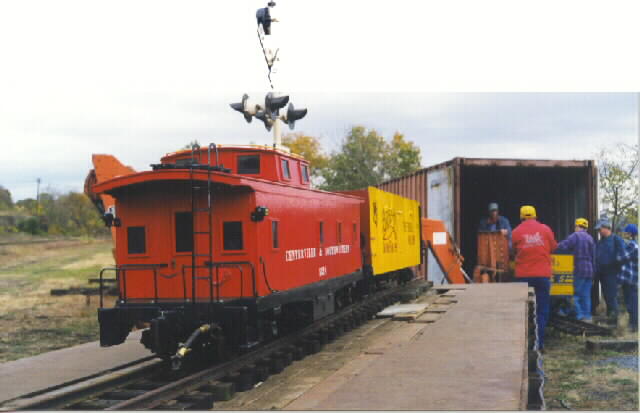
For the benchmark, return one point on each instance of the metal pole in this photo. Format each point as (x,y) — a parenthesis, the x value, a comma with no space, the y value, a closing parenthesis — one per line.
(277,134)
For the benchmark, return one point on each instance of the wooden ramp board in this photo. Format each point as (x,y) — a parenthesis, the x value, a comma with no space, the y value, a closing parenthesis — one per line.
(410,316)
(438,308)
(398,309)
(446,300)
(428,318)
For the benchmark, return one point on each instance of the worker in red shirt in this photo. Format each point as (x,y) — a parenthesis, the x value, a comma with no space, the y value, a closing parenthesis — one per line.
(533,243)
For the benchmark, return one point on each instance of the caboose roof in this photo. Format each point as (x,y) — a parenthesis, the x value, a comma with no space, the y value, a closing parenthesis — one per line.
(232,180)
(281,150)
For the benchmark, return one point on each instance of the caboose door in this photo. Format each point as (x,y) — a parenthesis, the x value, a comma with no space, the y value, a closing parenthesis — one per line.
(192,250)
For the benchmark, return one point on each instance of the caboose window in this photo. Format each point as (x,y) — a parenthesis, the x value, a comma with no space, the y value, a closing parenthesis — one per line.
(274,234)
(184,231)
(321,232)
(184,161)
(249,164)
(285,169)
(305,173)
(136,243)
(339,232)
(232,234)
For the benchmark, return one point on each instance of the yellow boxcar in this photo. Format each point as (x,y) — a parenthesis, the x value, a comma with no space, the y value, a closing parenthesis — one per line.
(392,225)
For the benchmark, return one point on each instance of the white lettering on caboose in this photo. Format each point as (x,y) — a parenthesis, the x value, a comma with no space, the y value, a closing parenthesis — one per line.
(308,253)
(299,254)
(337,249)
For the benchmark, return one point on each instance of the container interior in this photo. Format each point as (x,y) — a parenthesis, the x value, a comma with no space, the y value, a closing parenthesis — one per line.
(559,195)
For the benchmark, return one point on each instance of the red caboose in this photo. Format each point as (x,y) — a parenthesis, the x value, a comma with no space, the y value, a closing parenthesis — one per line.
(230,242)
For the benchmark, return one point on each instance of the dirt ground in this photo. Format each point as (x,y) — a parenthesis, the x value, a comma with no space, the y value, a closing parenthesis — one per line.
(579,380)
(31,320)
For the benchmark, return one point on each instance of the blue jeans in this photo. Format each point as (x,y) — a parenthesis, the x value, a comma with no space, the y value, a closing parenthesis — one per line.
(609,284)
(582,297)
(542,286)
(630,292)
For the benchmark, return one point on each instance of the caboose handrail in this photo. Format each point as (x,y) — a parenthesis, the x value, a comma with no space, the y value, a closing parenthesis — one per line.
(122,269)
(215,148)
(121,276)
(237,263)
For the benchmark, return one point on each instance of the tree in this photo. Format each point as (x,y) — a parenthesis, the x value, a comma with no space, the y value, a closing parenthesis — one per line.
(366,159)
(27,205)
(618,172)
(359,163)
(73,214)
(5,199)
(402,158)
(69,213)
(309,148)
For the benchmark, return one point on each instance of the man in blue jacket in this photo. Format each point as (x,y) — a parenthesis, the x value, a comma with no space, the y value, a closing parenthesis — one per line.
(496,222)
(583,248)
(608,250)
(628,277)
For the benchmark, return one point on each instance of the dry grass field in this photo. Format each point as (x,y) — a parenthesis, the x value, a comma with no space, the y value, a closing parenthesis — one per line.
(31,320)
(580,380)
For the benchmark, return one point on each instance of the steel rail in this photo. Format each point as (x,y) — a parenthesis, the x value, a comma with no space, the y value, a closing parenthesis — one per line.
(576,327)
(56,396)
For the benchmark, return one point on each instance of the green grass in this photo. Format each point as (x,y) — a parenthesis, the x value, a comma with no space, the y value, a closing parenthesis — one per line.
(624,382)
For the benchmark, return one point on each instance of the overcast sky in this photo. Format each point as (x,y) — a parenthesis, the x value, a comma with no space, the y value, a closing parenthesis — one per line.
(139,79)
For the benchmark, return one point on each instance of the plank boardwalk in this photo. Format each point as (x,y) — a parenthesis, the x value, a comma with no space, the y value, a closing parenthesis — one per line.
(472,358)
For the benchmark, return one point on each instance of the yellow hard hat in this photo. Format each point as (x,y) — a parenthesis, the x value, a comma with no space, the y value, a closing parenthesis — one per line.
(527,211)
(582,222)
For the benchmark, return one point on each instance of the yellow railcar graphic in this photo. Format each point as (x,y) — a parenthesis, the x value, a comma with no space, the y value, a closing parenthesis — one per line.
(394,223)
(562,278)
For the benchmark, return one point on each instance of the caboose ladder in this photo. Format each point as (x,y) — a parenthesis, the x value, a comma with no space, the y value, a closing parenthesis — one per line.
(196,257)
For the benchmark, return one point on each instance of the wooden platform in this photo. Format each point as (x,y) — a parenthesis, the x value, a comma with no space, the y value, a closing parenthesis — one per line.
(474,357)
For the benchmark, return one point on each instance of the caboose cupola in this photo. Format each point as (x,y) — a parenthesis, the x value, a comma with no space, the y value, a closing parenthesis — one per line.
(253,161)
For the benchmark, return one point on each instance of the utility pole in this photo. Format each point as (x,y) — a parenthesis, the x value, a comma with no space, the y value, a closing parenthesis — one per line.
(38,196)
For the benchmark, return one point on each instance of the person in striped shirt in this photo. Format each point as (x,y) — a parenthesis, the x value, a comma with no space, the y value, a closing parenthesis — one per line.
(628,275)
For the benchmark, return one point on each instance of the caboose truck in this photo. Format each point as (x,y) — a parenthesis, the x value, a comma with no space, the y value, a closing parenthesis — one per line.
(222,248)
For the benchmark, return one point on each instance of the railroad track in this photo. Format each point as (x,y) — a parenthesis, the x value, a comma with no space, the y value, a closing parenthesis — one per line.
(34,241)
(579,328)
(157,387)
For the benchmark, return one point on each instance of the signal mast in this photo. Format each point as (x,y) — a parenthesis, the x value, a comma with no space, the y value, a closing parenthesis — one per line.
(268,111)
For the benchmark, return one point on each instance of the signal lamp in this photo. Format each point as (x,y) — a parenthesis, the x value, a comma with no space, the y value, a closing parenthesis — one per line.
(264,117)
(293,115)
(243,107)
(273,103)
